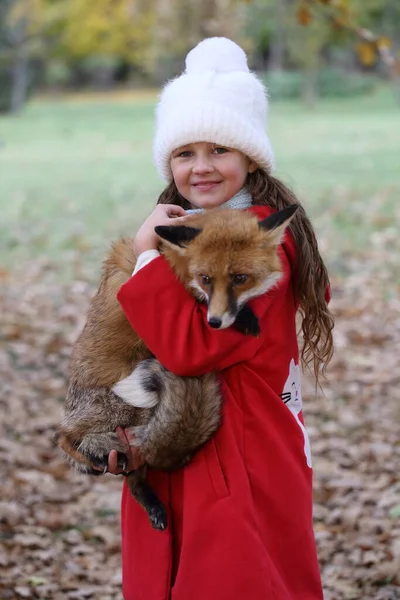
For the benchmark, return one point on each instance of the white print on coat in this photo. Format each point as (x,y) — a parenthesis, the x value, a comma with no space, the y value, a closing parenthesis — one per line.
(291,396)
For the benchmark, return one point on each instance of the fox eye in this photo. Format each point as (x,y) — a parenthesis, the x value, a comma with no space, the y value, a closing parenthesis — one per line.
(205,279)
(239,279)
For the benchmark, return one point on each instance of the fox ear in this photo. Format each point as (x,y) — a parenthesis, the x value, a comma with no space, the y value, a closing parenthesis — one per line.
(178,235)
(277,222)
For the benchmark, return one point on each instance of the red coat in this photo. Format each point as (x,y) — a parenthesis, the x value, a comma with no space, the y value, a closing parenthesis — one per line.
(240,513)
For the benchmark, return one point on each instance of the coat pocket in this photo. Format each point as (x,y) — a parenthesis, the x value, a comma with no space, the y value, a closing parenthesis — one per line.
(215,471)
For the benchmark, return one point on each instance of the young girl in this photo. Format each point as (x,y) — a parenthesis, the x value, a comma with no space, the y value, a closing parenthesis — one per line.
(240,514)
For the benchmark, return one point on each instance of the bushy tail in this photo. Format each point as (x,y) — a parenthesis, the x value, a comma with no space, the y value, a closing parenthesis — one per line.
(187,416)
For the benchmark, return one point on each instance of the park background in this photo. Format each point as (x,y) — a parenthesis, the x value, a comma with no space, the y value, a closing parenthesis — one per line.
(78,85)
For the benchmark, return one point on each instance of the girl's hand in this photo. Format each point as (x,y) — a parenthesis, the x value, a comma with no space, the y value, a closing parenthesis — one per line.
(146,238)
(133,453)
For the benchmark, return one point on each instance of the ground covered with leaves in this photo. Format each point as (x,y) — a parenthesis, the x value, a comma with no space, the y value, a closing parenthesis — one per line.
(60,531)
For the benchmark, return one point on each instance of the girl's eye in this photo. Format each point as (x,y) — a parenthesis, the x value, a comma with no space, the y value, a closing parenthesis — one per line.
(220,150)
(205,279)
(185,154)
(239,279)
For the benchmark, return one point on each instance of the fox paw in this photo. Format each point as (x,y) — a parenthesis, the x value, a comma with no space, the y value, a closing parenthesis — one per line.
(102,463)
(158,517)
(90,455)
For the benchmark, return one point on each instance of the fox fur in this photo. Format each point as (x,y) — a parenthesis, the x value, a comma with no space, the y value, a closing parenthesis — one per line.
(223,258)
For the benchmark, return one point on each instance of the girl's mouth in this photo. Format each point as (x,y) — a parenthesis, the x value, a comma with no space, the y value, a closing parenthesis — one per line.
(205,186)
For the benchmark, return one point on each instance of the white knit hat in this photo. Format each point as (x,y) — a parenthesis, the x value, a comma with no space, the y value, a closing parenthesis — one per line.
(216,99)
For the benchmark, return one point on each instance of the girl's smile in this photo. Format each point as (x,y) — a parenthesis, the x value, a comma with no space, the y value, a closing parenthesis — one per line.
(205,186)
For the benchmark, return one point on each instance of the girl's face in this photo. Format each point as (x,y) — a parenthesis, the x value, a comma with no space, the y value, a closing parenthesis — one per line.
(208,175)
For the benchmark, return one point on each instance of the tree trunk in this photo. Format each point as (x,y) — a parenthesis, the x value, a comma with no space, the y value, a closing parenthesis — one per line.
(310,90)
(19,82)
(19,65)
(277,45)
(276,53)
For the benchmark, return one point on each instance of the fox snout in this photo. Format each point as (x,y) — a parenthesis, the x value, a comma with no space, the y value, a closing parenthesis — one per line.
(223,322)
(222,312)
(224,303)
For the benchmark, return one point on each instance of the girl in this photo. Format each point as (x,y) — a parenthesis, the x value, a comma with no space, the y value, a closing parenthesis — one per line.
(240,513)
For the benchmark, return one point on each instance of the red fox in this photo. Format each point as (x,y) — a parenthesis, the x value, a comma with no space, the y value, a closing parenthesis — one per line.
(224,258)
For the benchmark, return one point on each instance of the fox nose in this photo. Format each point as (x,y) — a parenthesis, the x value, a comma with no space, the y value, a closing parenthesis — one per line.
(215,322)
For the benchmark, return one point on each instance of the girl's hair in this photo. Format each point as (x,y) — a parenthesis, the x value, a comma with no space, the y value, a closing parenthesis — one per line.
(311,276)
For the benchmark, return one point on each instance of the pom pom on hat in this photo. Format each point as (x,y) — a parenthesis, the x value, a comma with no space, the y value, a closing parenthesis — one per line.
(216,54)
(217,99)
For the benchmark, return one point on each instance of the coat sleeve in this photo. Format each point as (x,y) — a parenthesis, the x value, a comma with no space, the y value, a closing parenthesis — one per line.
(174,325)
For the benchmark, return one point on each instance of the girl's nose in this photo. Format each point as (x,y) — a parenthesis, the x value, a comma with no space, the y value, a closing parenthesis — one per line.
(202,164)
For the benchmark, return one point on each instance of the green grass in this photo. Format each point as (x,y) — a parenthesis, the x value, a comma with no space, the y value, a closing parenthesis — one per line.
(76,173)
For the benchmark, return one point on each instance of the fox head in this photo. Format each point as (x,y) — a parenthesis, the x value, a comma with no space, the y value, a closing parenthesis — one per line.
(226,257)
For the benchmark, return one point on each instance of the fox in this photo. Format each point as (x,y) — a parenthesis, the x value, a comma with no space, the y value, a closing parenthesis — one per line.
(224,258)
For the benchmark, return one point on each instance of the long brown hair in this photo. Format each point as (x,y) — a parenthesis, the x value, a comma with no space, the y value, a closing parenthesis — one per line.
(311,276)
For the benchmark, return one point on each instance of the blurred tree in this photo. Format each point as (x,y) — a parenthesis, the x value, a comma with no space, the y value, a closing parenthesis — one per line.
(97,37)
(301,33)
(278,37)
(180,24)
(364,19)
(151,35)
(101,38)
(21,23)
(105,27)
(305,46)
(266,25)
